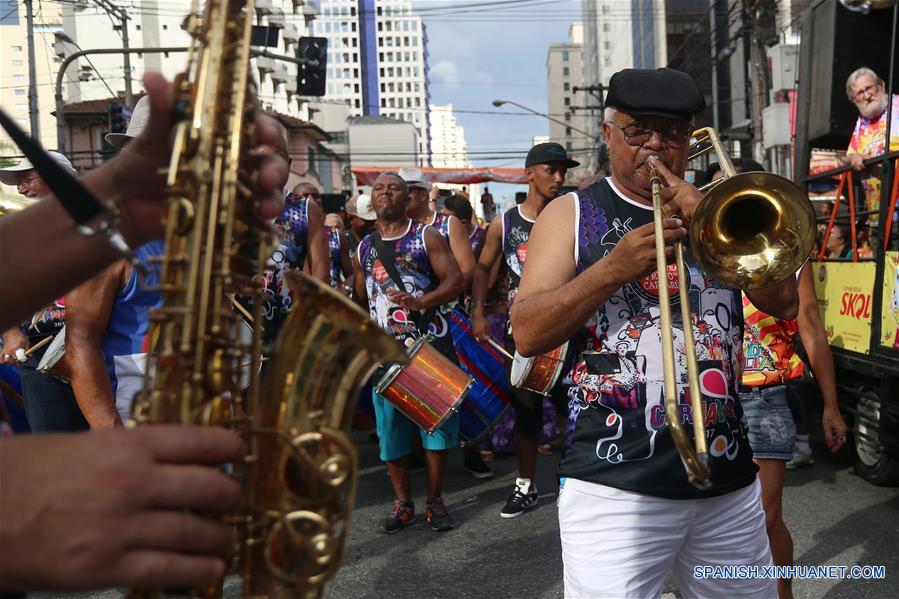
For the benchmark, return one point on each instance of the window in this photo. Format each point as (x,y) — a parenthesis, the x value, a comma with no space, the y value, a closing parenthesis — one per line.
(378,11)
(310,154)
(380,26)
(165,27)
(607,27)
(383,103)
(565,55)
(21,106)
(567,116)
(18,63)
(567,101)
(568,145)
(353,29)
(18,77)
(566,86)
(383,87)
(356,88)
(357,104)
(381,56)
(354,42)
(20,92)
(606,45)
(565,71)
(16,48)
(568,131)
(605,9)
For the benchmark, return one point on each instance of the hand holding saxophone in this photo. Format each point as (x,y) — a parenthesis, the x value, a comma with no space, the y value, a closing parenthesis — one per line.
(134,180)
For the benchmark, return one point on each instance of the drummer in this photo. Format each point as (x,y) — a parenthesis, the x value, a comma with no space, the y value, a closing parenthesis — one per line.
(456,234)
(49,401)
(422,258)
(507,238)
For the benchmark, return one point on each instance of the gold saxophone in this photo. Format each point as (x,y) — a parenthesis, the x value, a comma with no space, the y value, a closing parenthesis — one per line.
(300,473)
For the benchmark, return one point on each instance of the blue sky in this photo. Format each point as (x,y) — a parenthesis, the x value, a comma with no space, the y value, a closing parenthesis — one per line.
(495,52)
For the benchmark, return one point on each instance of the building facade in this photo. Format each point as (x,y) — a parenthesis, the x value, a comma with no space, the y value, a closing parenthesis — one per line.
(565,73)
(158,24)
(378,62)
(448,146)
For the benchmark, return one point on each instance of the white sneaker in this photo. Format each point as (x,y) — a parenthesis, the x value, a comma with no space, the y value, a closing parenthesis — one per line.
(800,459)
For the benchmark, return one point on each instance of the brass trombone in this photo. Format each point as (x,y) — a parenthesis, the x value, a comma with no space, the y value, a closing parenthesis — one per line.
(751,230)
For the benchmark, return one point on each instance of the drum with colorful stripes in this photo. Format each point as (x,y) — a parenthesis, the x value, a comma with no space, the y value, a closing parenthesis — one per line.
(490,396)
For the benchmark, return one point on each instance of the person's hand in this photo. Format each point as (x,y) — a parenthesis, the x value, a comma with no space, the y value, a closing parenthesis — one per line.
(856,161)
(405,300)
(679,198)
(480,327)
(834,428)
(109,508)
(135,178)
(634,256)
(13,341)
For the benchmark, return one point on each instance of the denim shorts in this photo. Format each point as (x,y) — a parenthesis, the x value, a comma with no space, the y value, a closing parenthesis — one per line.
(771,426)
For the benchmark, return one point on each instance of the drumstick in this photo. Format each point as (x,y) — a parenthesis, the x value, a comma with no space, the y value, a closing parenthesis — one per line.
(39,345)
(241,309)
(500,348)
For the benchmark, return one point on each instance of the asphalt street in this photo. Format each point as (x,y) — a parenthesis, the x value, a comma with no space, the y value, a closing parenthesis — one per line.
(835,518)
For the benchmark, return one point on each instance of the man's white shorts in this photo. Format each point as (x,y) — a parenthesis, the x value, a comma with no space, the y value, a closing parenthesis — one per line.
(621,544)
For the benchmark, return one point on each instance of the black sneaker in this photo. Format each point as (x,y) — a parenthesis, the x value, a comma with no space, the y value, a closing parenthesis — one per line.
(403,513)
(476,467)
(523,497)
(438,516)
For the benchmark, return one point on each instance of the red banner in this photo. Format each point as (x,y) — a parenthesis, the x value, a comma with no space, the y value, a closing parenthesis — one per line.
(366,175)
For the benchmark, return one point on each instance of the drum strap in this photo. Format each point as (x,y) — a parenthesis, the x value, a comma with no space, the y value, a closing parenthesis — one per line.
(388,259)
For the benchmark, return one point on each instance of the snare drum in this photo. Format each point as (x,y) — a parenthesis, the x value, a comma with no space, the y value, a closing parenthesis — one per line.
(540,373)
(50,363)
(428,389)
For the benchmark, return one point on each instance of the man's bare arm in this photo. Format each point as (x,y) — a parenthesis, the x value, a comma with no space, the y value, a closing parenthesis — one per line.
(361,295)
(780,300)
(88,308)
(445,267)
(491,254)
(814,340)
(319,258)
(460,247)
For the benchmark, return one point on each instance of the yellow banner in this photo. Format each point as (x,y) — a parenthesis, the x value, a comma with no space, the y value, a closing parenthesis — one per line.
(845,298)
(889,324)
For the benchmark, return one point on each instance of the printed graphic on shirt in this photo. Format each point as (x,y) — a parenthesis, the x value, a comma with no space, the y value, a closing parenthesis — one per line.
(617,419)
(293,231)
(769,353)
(516,233)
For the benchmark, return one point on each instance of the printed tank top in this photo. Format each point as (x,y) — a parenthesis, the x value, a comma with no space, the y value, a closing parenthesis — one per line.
(293,233)
(418,278)
(516,232)
(618,434)
(769,354)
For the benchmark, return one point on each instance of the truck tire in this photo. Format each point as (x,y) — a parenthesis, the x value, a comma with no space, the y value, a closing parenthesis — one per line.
(871,463)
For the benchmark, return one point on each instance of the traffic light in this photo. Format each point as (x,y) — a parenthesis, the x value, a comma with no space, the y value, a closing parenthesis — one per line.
(119,116)
(311,78)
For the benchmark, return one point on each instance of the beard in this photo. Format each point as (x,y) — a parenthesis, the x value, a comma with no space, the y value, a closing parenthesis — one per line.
(874,108)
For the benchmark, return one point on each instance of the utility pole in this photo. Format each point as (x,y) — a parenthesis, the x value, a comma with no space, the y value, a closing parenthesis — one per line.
(122,15)
(760,13)
(32,75)
(713,37)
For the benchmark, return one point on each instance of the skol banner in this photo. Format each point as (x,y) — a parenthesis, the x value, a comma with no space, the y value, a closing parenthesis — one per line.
(845,291)
(889,327)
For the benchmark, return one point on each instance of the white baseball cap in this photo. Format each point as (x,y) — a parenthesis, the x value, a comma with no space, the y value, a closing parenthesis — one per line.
(414,178)
(364,208)
(139,117)
(8,175)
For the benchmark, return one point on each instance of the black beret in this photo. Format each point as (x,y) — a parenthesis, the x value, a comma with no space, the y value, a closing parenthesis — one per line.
(659,92)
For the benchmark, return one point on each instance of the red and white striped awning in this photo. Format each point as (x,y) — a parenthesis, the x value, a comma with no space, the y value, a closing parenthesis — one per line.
(366,175)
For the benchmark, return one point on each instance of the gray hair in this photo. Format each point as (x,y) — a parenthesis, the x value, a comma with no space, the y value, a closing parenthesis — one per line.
(853,77)
(609,113)
(397,176)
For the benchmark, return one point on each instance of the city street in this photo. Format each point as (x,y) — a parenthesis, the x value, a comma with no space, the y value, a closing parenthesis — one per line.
(835,517)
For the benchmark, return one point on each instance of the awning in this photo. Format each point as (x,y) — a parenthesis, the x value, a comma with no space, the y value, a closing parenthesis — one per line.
(366,175)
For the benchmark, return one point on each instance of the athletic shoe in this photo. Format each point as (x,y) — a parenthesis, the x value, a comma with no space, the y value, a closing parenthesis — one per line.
(523,497)
(477,468)
(403,513)
(800,459)
(438,516)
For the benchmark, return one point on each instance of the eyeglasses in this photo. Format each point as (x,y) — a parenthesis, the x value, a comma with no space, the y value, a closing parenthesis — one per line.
(871,89)
(635,133)
(28,181)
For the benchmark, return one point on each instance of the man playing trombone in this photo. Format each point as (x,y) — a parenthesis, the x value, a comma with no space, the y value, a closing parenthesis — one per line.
(628,514)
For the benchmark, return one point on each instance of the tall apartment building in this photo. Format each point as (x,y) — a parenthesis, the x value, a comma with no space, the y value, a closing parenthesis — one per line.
(564,72)
(378,61)
(158,24)
(621,34)
(448,146)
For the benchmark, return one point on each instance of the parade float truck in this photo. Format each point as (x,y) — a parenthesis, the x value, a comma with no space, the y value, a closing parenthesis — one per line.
(858,297)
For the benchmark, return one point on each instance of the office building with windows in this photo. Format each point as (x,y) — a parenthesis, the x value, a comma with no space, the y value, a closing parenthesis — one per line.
(564,73)
(377,61)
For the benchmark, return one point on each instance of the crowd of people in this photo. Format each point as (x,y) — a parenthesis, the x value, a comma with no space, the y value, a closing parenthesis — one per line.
(109,508)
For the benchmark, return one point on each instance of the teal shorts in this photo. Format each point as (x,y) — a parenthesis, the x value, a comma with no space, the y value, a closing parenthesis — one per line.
(395,431)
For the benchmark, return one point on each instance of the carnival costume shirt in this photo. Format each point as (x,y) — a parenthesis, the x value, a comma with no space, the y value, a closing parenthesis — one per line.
(617,432)
(293,234)
(516,232)
(868,139)
(769,353)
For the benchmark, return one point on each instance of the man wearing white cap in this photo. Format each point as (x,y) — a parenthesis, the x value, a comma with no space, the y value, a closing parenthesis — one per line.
(27,180)
(49,401)
(362,221)
(108,319)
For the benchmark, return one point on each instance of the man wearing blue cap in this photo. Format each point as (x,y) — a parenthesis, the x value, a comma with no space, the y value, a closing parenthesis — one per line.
(627,513)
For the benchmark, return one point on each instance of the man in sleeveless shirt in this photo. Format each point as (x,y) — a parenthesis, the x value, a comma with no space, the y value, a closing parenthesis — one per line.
(627,513)
(770,364)
(431,278)
(507,239)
